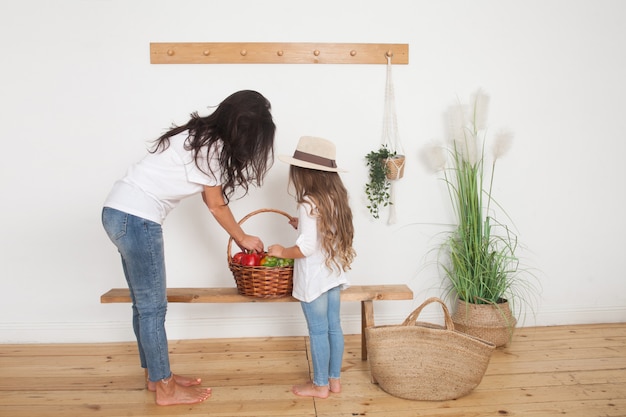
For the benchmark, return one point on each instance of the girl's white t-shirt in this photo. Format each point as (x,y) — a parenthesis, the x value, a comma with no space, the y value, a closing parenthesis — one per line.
(155,185)
(311,275)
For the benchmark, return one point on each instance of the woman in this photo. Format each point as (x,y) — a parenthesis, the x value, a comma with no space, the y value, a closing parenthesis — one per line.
(230,149)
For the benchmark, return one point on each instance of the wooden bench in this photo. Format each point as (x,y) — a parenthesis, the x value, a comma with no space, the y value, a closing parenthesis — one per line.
(366,294)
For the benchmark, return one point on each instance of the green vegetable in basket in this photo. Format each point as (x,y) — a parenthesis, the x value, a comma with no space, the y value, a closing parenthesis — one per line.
(283,262)
(269,261)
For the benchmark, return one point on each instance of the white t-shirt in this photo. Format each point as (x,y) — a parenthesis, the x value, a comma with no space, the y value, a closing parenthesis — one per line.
(311,276)
(155,185)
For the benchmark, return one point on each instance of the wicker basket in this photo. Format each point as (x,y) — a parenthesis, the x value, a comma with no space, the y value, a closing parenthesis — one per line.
(395,167)
(424,361)
(261,281)
(492,322)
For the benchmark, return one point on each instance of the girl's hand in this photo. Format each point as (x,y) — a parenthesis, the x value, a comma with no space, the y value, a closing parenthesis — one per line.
(294,222)
(275,250)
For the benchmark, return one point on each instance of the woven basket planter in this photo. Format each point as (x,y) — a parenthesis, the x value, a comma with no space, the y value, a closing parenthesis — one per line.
(494,323)
(395,167)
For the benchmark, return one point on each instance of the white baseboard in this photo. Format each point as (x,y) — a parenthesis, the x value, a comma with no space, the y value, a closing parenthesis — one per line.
(205,328)
(568,315)
(208,328)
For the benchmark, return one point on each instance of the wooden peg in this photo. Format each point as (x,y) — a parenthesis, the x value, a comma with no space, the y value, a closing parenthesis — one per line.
(353,53)
(316,52)
(206,52)
(389,54)
(279,52)
(170,52)
(243,52)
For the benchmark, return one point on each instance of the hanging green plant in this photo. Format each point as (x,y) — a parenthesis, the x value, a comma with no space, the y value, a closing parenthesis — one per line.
(378,187)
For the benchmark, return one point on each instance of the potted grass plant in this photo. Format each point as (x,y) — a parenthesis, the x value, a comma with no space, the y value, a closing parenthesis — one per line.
(478,257)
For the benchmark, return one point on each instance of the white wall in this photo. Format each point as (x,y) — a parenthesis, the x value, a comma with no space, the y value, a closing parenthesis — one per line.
(79,100)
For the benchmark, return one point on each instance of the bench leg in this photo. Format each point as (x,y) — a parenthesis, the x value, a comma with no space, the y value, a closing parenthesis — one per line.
(367,320)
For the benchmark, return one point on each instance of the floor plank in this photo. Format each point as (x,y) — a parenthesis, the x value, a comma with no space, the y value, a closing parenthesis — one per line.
(572,371)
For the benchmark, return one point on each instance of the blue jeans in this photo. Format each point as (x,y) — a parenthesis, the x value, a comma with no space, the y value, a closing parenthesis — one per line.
(140,243)
(324,323)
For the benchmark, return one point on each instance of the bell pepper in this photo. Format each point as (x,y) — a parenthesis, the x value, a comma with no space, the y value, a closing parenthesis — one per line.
(251,259)
(237,257)
(269,261)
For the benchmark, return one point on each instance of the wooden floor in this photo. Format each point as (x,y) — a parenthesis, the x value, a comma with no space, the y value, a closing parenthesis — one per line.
(545,371)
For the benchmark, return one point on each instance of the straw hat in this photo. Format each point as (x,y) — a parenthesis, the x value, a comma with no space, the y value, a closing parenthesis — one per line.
(313,153)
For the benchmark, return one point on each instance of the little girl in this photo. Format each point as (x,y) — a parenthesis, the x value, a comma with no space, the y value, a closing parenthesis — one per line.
(323,253)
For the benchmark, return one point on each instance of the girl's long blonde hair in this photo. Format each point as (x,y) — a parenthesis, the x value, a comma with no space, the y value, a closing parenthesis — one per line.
(334,216)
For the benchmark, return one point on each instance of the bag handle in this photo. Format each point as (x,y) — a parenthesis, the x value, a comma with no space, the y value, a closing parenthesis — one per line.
(246,217)
(412,318)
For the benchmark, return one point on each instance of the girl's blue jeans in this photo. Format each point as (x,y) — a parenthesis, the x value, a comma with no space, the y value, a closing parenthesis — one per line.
(140,243)
(325,334)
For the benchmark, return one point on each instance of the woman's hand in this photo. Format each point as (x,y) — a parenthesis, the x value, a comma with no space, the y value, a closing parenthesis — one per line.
(251,243)
(214,200)
(294,222)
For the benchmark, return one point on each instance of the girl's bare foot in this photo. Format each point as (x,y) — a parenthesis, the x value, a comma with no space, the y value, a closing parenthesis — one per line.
(335,385)
(310,390)
(168,392)
(181,380)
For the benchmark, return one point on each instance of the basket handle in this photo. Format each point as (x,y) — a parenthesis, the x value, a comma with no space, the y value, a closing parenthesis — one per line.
(246,217)
(412,318)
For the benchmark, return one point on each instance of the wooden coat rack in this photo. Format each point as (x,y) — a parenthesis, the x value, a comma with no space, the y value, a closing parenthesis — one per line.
(277,53)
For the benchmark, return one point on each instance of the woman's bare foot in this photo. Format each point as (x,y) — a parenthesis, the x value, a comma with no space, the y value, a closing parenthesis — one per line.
(310,390)
(335,385)
(168,392)
(181,380)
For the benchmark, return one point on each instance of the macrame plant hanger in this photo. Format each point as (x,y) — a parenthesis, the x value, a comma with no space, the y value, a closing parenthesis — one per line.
(391,140)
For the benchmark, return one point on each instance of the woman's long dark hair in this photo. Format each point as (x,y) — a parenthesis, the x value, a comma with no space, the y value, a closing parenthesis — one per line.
(244,124)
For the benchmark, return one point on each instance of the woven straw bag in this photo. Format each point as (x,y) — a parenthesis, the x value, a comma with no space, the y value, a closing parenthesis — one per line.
(424,361)
(261,281)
